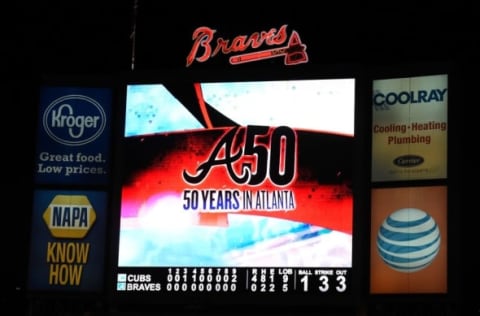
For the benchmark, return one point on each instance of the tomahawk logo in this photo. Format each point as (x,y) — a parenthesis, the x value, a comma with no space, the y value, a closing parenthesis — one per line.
(74,120)
(278,43)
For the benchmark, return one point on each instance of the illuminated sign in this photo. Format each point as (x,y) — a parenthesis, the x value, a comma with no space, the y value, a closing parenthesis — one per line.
(409,128)
(67,250)
(73,136)
(69,216)
(217,201)
(244,49)
(68,120)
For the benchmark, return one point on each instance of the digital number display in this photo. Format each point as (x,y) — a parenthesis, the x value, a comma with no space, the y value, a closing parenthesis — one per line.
(237,280)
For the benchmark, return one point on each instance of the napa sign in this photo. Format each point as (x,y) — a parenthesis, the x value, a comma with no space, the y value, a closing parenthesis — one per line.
(68,240)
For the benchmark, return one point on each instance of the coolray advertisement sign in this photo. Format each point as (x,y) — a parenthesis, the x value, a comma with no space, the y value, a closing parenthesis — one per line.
(67,248)
(409,240)
(245,190)
(409,128)
(73,136)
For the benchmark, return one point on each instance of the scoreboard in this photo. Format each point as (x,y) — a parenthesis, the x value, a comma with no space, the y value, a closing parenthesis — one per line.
(216,190)
(237,280)
(236,188)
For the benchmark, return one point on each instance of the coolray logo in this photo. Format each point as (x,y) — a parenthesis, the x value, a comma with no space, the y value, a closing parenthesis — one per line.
(74,120)
(282,45)
(406,97)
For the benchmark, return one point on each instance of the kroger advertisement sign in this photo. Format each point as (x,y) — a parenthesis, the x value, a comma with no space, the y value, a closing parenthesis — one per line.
(73,136)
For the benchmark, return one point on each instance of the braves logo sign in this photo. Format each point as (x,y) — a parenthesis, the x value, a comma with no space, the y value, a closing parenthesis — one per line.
(278,43)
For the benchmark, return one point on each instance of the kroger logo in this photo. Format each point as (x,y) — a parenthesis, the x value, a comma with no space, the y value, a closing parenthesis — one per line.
(74,120)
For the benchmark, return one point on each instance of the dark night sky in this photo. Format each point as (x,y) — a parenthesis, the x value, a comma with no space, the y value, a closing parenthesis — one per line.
(93,37)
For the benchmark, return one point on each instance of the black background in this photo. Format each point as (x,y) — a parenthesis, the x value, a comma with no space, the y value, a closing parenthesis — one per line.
(93,37)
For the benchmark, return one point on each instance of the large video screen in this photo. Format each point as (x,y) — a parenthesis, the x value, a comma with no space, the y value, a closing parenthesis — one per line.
(236,189)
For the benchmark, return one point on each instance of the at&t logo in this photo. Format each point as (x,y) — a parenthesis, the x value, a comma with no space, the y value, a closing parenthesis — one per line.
(74,120)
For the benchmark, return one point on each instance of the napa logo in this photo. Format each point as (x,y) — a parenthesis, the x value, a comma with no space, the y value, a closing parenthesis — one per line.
(74,120)
(69,216)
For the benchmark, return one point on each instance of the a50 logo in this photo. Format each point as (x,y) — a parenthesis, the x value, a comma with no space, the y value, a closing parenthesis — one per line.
(267,153)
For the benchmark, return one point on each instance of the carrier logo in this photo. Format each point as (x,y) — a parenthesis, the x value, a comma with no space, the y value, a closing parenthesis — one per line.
(69,216)
(408,161)
(74,120)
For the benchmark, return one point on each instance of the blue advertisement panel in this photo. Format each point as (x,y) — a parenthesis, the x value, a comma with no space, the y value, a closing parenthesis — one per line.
(67,250)
(73,136)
